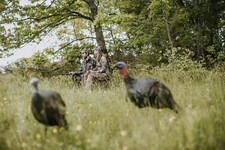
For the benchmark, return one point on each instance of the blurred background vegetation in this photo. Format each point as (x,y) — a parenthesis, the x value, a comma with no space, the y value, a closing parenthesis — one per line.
(147,32)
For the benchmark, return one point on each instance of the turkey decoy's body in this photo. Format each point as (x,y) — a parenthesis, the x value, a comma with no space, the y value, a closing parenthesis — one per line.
(147,92)
(48,107)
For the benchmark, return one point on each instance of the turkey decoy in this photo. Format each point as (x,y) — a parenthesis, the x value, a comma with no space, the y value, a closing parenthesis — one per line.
(147,92)
(48,107)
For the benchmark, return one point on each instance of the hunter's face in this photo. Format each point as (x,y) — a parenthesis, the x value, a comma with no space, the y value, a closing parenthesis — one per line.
(84,55)
(95,52)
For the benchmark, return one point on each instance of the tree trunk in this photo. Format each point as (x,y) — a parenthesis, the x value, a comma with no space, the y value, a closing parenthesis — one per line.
(199,53)
(98,27)
(168,31)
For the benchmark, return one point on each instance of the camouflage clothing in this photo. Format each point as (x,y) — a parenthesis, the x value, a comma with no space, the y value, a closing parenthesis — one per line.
(102,66)
(86,65)
(101,72)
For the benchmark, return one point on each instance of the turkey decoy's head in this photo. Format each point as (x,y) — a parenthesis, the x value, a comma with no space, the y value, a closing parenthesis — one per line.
(120,65)
(34,81)
(122,68)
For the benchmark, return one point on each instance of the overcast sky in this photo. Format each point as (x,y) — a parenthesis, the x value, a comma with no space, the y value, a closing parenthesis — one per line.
(24,52)
(28,50)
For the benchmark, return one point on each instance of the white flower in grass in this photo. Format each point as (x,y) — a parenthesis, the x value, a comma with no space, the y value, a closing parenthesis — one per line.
(78,127)
(24,144)
(172,119)
(38,136)
(123,133)
(54,130)
(124,148)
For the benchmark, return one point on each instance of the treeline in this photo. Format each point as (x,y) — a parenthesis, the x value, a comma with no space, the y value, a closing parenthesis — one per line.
(148,32)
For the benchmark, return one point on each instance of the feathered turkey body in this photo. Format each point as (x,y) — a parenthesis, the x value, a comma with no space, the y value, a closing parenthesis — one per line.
(147,92)
(48,107)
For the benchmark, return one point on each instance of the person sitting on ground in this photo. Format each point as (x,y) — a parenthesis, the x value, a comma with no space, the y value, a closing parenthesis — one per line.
(100,72)
(88,63)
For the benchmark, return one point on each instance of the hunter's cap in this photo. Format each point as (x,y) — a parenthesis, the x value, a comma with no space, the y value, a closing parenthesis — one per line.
(84,51)
(97,48)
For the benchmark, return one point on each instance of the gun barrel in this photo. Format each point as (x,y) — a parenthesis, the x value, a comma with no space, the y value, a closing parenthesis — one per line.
(63,74)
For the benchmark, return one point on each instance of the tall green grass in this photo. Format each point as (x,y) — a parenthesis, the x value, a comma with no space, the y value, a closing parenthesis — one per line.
(101,119)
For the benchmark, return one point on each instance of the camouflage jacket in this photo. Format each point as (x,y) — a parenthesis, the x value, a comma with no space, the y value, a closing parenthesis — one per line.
(87,65)
(102,66)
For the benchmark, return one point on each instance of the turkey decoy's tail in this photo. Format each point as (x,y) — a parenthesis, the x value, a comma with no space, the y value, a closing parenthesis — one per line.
(173,104)
(164,98)
(177,108)
(65,124)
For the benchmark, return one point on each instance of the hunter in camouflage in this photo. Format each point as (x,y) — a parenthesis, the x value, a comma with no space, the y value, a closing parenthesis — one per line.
(102,70)
(88,63)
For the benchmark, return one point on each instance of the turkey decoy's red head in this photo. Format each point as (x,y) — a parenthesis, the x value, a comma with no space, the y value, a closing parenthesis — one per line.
(122,69)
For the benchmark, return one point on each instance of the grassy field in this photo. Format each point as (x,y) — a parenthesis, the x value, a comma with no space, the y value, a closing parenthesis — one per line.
(101,119)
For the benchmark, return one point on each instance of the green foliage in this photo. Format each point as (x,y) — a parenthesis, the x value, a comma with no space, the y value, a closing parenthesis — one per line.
(181,59)
(32,21)
(193,26)
(140,31)
(40,65)
(39,59)
(102,119)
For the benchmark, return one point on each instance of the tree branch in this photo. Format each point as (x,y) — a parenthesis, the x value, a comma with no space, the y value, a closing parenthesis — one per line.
(48,70)
(51,26)
(41,70)
(71,3)
(46,17)
(72,42)
(80,15)
(86,1)
(41,3)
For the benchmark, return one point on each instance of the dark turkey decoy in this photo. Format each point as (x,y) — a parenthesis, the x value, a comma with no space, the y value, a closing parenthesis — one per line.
(147,92)
(48,107)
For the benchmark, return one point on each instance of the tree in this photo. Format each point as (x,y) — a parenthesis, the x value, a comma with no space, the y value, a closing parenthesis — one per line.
(32,21)
(156,26)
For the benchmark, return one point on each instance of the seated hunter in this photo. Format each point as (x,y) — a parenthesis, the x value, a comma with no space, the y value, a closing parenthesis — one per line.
(88,63)
(102,70)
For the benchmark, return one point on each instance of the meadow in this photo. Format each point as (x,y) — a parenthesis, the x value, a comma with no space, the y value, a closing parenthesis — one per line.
(101,119)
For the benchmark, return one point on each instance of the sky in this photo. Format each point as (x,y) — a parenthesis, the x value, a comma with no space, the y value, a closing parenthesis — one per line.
(26,51)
